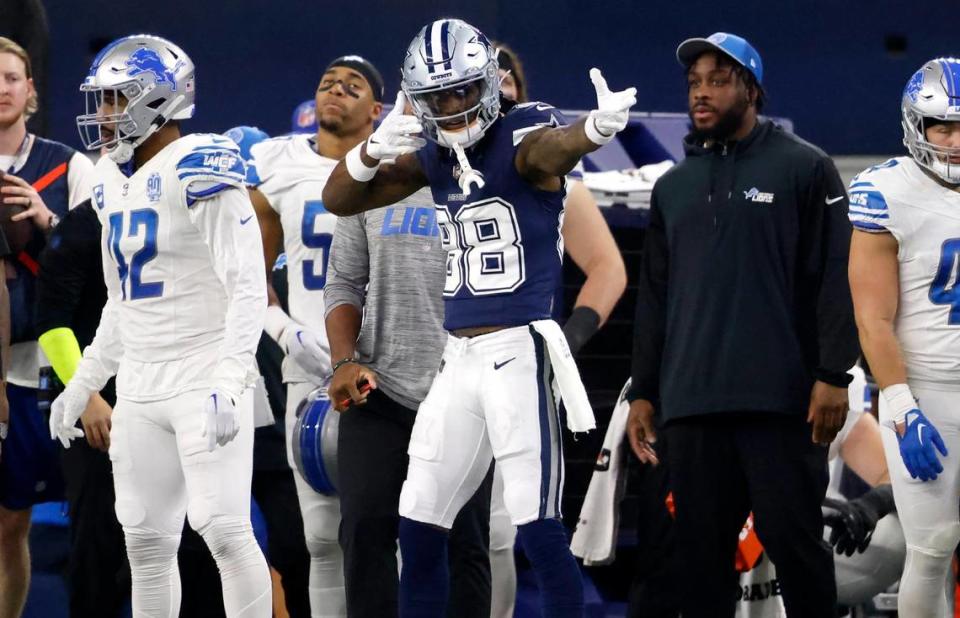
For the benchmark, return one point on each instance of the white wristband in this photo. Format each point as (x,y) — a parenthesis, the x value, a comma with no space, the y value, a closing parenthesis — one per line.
(276,322)
(357,169)
(595,136)
(900,400)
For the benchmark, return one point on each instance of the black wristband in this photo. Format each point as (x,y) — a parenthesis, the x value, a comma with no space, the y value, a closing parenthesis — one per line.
(341,362)
(880,499)
(582,324)
(839,379)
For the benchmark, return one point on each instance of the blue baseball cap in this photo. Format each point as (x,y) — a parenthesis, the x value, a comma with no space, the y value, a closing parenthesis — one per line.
(731,45)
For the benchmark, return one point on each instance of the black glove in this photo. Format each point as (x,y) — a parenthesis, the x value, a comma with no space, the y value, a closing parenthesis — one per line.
(853,522)
(582,324)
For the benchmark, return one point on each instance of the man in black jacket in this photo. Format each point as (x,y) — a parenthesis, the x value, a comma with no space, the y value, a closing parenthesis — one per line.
(744,334)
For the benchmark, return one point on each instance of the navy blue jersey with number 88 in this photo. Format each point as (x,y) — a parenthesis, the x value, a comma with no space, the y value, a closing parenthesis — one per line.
(504,250)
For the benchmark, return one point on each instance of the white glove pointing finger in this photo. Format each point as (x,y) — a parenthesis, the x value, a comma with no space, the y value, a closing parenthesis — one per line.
(613,110)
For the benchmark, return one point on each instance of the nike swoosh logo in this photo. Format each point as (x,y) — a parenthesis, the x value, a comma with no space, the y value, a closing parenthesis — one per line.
(920,433)
(499,365)
(244,221)
(834,200)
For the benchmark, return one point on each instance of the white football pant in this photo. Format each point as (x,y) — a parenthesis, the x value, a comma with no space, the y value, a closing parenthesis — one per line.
(163,471)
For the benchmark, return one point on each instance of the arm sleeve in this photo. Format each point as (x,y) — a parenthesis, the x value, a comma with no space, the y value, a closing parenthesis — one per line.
(237,254)
(650,325)
(69,258)
(72,252)
(836,328)
(102,357)
(348,269)
(79,173)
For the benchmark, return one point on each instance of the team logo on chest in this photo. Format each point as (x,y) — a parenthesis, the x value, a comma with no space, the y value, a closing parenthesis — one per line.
(755,195)
(153,187)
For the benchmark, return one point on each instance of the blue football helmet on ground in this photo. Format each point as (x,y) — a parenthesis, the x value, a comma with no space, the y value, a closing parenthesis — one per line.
(450,58)
(933,93)
(153,76)
(314,441)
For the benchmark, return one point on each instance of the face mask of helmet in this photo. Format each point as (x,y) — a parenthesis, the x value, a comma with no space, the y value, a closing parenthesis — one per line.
(453,113)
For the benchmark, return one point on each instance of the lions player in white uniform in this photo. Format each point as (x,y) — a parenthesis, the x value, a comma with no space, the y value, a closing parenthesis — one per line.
(287,175)
(903,275)
(185,308)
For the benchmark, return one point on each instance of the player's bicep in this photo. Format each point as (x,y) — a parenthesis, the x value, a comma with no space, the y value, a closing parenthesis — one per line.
(874,272)
(586,236)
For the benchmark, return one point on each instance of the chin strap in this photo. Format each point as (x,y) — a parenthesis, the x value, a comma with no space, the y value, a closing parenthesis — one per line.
(468,175)
(121,152)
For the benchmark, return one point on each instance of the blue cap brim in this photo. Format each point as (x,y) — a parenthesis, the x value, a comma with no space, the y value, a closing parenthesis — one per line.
(690,50)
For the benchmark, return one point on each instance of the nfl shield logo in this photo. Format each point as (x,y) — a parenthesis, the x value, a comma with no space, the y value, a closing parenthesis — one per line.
(153,187)
(98,196)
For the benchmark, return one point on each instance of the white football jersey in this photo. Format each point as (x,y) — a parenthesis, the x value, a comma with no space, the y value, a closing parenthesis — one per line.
(924,216)
(291,175)
(163,253)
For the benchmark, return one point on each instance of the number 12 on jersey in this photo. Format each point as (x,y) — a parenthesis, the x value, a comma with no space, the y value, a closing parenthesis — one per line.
(145,222)
(944,289)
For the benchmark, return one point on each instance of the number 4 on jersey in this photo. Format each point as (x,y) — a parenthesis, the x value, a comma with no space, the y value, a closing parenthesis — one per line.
(944,289)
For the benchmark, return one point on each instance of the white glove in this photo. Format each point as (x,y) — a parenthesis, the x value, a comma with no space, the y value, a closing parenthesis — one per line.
(612,113)
(306,348)
(66,410)
(220,421)
(396,134)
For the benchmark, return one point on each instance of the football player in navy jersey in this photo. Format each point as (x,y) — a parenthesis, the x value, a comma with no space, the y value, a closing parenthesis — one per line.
(496,172)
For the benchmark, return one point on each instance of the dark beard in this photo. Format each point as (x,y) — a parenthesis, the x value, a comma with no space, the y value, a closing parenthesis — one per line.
(727,124)
(330,126)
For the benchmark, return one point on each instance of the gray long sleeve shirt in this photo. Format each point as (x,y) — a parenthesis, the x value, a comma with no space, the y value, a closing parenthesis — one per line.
(389,263)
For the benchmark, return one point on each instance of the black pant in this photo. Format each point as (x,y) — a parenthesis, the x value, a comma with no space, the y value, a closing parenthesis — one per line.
(372,460)
(724,465)
(658,581)
(98,574)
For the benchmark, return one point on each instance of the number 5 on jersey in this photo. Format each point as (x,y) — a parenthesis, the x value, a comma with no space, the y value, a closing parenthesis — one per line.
(313,280)
(141,243)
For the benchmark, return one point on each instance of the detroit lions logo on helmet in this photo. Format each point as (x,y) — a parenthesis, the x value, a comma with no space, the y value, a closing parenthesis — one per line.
(145,60)
(914,86)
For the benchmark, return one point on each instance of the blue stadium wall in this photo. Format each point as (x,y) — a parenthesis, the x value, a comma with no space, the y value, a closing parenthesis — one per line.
(836,67)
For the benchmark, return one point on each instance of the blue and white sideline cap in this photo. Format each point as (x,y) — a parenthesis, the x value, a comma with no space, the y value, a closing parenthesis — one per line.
(732,45)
